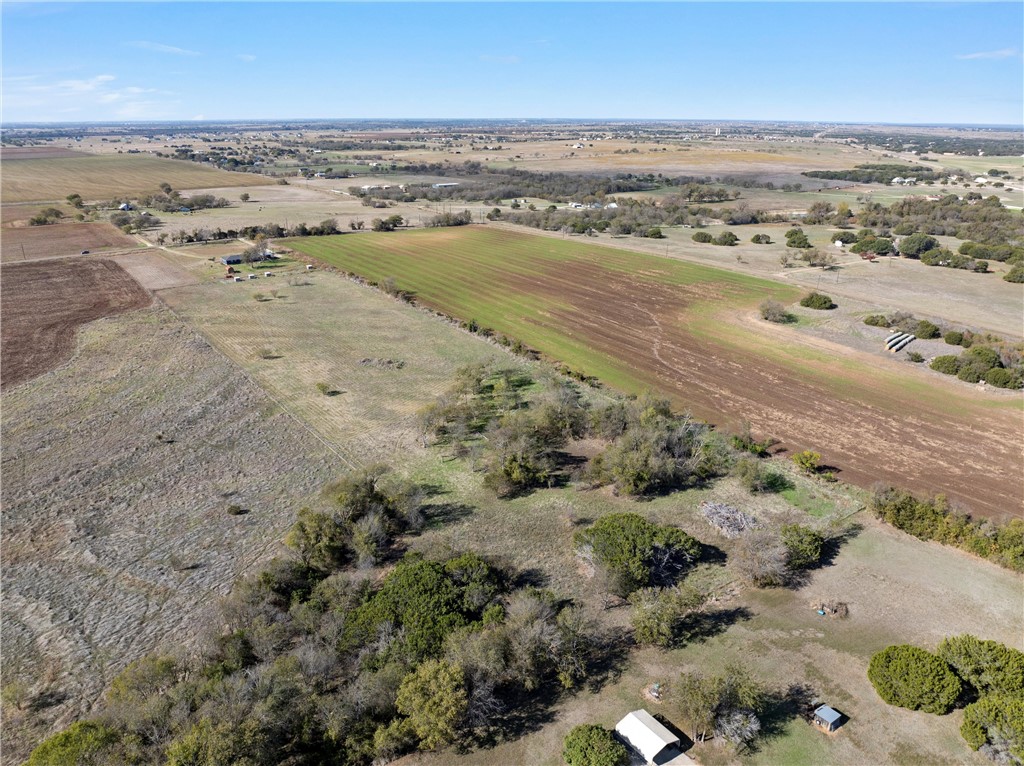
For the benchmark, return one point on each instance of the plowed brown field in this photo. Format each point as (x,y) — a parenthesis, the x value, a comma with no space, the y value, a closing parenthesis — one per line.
(42,304)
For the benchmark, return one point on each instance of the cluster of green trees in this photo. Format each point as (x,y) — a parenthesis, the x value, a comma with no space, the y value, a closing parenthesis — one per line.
(925,142)
(985,675)
(450,219)
(879,173)
(1006,253)
(981,363)
(170,201)
(932,519)
(307,662)
(731,705)
(865,241)
(515,439)
(653,450)
(726,238)
(981,220)
(823,212)
(134,221)
(390,223)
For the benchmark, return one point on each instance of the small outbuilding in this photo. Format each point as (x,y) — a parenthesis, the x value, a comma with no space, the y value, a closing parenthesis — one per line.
(828,718)
(651,739)
(231,260)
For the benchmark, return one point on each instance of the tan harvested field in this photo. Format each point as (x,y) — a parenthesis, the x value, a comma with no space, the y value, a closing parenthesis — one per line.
(45,302)
(102,177)
(48,152)
(58,240)
(154,270)
(118,470)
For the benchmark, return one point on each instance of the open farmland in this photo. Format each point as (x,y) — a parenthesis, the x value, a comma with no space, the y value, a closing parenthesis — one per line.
(57,240)
(643,322)
(98,177)
(44,304)
(118,471)
(899,589)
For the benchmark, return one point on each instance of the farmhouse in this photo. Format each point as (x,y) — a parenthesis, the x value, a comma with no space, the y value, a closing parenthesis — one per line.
(652,740)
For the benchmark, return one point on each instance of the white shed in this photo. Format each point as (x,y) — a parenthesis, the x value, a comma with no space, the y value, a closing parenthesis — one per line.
(652,740)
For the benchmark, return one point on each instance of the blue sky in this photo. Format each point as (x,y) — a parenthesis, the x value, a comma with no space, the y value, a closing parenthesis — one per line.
(858,62)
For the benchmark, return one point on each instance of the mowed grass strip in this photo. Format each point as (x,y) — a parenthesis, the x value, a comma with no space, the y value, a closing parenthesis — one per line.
(104,176)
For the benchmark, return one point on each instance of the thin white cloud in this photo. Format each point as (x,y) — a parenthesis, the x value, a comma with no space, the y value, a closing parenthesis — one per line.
(94,98)
(1002,53)
(248,57)
(499,59)
(147,45)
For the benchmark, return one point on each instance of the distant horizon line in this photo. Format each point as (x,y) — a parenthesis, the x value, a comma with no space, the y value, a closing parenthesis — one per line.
(485,120)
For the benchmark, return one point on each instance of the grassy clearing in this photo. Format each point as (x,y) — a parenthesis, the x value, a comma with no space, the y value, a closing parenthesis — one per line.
(100,177)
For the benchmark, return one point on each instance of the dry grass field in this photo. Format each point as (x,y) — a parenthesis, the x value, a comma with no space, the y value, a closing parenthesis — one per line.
(118,471)
(102,177)
(639,322)
(45,302)
(58,240)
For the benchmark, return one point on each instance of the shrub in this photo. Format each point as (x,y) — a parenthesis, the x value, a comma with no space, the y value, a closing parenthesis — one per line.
(947,364)
(915,357)
(996,723)
(324,388)
(876,320)
(726,238)
(773,311)
(658,613)
(953,337)
(1002,378)
(910,677)
(633,552)
(803,546)
(846,237)
(970,373)
(816,300)
(988,666)
(797,240)
(926,330)
(82,742)
(985,357)
(752,475)
(807,461)
(761,239)
(592,745)
(915,244)
(702,236)
(1015,274)
(761,558)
